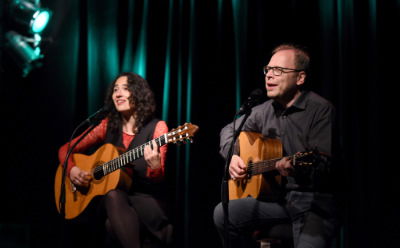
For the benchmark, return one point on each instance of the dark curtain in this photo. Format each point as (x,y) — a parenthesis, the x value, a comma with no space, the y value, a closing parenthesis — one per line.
(202,59)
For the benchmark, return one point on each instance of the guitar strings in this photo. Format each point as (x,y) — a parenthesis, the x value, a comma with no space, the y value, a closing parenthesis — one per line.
(265,166)
(126,157)
(262,166)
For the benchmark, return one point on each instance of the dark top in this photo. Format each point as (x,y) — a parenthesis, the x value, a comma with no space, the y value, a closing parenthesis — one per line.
(305,125)
(140,182)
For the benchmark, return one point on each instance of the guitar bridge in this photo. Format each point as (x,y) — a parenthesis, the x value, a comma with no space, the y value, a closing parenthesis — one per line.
(73,187)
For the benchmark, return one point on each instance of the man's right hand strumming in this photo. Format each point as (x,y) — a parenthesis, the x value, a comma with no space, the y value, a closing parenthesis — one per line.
(237,168)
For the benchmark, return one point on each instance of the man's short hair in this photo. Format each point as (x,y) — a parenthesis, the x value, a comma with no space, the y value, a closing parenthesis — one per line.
(301,54)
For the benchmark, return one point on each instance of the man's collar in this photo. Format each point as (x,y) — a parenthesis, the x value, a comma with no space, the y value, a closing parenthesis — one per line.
(300,102)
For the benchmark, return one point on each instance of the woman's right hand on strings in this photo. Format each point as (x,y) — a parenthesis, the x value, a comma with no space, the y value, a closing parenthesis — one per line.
(237,168)
(79,177)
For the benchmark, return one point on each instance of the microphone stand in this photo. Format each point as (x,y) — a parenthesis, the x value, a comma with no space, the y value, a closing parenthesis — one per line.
(94,123)
(224,187)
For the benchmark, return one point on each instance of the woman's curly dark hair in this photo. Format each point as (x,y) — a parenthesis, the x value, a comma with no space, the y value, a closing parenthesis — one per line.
(142,98)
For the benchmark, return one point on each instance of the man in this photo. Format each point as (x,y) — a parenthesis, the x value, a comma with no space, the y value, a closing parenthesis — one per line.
(300,120)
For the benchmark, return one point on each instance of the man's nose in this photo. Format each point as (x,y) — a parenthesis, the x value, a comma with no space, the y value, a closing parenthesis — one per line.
(269,75)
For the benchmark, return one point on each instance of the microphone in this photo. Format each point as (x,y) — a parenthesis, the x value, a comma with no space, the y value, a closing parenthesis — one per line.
(98,115)
(254,99)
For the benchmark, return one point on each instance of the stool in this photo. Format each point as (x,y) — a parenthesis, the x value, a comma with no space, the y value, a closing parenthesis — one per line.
(279,235)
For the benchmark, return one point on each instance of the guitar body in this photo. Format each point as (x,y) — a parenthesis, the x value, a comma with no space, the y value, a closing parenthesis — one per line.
(77,200)
(254,148)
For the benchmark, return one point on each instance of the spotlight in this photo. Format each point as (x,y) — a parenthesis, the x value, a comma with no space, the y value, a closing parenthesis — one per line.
(25,55)
(29,15)
(25,20)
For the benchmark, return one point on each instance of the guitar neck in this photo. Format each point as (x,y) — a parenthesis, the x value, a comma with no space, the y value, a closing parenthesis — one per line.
(126,158)
(180,134)
(262,166)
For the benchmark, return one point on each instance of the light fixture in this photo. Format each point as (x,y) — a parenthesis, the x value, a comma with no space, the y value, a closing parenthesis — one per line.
(26,56)
(29,15)
(25,22)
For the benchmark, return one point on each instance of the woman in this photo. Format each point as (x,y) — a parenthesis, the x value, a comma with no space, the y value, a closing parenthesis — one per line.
(130,123)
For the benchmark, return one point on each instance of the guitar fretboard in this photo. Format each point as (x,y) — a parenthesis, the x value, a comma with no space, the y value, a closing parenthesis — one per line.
(263,166)
(126,158)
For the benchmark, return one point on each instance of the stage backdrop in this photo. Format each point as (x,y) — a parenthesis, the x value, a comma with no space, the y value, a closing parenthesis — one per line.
(202,59)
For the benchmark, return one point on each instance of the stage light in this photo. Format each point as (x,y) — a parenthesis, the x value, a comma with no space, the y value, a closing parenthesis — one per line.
(40,20)
(26,56)
(29,15)
(24,22)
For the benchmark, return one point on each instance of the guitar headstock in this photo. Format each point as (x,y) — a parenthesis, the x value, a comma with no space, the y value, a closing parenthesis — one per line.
(182,133)
(306,158)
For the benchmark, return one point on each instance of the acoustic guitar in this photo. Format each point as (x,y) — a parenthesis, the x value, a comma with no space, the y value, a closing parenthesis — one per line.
(260,155)
(104,165)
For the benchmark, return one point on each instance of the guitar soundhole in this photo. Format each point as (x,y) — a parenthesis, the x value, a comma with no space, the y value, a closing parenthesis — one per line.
(98,172)
(98,175)
(249,169)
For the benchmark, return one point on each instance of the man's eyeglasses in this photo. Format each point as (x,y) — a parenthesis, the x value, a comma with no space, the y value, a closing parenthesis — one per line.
(277,71)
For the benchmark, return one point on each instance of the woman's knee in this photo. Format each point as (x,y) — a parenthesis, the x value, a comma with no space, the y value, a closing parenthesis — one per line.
(114,198)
